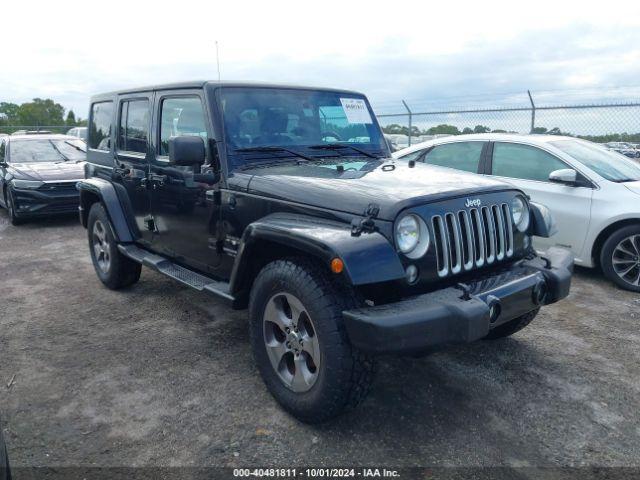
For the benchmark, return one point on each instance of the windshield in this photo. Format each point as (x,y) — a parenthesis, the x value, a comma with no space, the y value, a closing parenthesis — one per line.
(606,163)
(49,150)
(298,121)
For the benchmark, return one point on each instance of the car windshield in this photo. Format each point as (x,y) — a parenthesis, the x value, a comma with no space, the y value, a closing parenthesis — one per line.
(312,123)
(606,163)
(47,150)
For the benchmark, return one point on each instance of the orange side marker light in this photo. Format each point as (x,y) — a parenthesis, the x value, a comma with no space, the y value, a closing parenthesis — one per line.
(337,265)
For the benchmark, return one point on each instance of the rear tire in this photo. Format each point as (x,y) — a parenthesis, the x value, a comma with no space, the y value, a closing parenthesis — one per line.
(621,251)
(512,326)
(320,373)
(113,268)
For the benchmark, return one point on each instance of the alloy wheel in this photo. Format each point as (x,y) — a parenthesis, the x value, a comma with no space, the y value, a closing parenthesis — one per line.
(101,246)
(626,260)
(291,342)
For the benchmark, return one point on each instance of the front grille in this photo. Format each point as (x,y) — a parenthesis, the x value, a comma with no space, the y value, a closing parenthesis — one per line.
(473,238)
(59,187)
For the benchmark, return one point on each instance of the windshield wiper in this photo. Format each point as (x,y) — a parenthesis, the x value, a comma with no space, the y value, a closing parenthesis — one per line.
(274,149)
(625,180)
(341,146)
(75,146)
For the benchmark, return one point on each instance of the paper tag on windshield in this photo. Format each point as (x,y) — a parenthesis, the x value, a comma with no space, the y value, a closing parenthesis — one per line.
(356,110)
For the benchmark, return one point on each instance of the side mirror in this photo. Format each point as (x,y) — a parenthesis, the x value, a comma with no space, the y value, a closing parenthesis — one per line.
(186,150)
(3,164)
(566,176)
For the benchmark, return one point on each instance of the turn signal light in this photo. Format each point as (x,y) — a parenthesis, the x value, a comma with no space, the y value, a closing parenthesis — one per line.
(337,265)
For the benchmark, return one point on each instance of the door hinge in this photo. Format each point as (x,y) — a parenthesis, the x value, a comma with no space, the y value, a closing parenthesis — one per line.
(366,224)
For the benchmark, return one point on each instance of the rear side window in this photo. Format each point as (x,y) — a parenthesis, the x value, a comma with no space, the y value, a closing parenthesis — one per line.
(461,156)
(522,161)
(100,126)
(133,127)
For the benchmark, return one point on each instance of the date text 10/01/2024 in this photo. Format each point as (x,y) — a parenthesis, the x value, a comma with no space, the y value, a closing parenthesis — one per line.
(316,472)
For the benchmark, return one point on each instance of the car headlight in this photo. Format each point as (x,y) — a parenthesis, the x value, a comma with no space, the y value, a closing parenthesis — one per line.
(520,213)
(26,183)
(407,233)
(412,236)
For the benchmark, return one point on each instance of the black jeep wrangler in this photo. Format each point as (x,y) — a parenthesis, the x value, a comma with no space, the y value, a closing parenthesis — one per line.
(284,200)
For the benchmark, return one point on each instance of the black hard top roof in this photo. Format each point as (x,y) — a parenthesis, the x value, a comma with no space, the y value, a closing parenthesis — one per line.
(214,84)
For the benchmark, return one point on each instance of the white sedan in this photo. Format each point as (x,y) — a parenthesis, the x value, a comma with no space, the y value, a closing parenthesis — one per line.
(593,193)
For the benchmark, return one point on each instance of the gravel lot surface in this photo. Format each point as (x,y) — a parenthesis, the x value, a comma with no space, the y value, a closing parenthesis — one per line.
(162,375)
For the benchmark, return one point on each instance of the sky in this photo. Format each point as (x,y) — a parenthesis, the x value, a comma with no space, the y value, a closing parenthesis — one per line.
(430,54)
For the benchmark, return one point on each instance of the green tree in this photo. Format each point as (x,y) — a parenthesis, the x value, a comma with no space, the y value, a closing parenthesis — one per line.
(10,111)
(444,129)
(41,112)
(467,131)
(71,119)
(481,129)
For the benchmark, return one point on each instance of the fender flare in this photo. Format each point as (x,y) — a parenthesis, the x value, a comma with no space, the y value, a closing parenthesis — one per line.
(368,258)
(108,195)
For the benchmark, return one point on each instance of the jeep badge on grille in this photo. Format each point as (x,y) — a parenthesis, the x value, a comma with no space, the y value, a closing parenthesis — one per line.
(472,202)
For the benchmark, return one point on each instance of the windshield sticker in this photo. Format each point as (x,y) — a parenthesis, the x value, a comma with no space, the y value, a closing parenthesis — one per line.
(356,110)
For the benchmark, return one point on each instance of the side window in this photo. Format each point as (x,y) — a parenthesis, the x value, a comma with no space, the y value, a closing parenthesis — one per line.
(522,161)
(412,156)
(181,116)
(133,129)
(100,126)
(461,156)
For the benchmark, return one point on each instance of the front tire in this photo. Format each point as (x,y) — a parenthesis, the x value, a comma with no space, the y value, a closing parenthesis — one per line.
(11,210)
(620,258)
(113,268)
(512,326)
(300,343)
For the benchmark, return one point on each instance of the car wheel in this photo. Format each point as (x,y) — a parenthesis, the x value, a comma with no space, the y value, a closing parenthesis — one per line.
(113,268)
(620,258)
(512,326)
(11,210)
(300,343)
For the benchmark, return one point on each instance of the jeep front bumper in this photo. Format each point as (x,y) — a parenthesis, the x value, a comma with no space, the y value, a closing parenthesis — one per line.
(453,315)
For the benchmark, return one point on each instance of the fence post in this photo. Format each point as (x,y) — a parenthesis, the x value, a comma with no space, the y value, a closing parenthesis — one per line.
(533,112)
(410,119)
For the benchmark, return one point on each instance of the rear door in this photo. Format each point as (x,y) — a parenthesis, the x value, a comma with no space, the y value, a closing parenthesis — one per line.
(132,154)
(528,168)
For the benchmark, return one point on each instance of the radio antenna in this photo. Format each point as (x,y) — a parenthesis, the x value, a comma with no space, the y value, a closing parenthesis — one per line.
(218,60)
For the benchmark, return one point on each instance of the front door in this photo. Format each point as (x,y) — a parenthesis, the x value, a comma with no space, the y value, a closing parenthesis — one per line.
(185,204)
(528,168)
(132,156)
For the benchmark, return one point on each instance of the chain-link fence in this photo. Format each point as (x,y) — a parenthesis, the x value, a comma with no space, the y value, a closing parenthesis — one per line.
(601,122)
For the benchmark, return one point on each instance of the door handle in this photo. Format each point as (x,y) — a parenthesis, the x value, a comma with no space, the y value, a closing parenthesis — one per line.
(158,179)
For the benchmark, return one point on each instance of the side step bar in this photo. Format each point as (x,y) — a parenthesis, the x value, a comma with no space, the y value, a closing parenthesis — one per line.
(177,272)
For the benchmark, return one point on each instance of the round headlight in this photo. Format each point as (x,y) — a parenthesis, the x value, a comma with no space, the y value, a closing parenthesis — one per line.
(520,213)
(407,233)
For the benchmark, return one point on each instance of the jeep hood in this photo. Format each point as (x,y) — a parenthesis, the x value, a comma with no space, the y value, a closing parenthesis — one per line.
(48,171)
(392,185)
